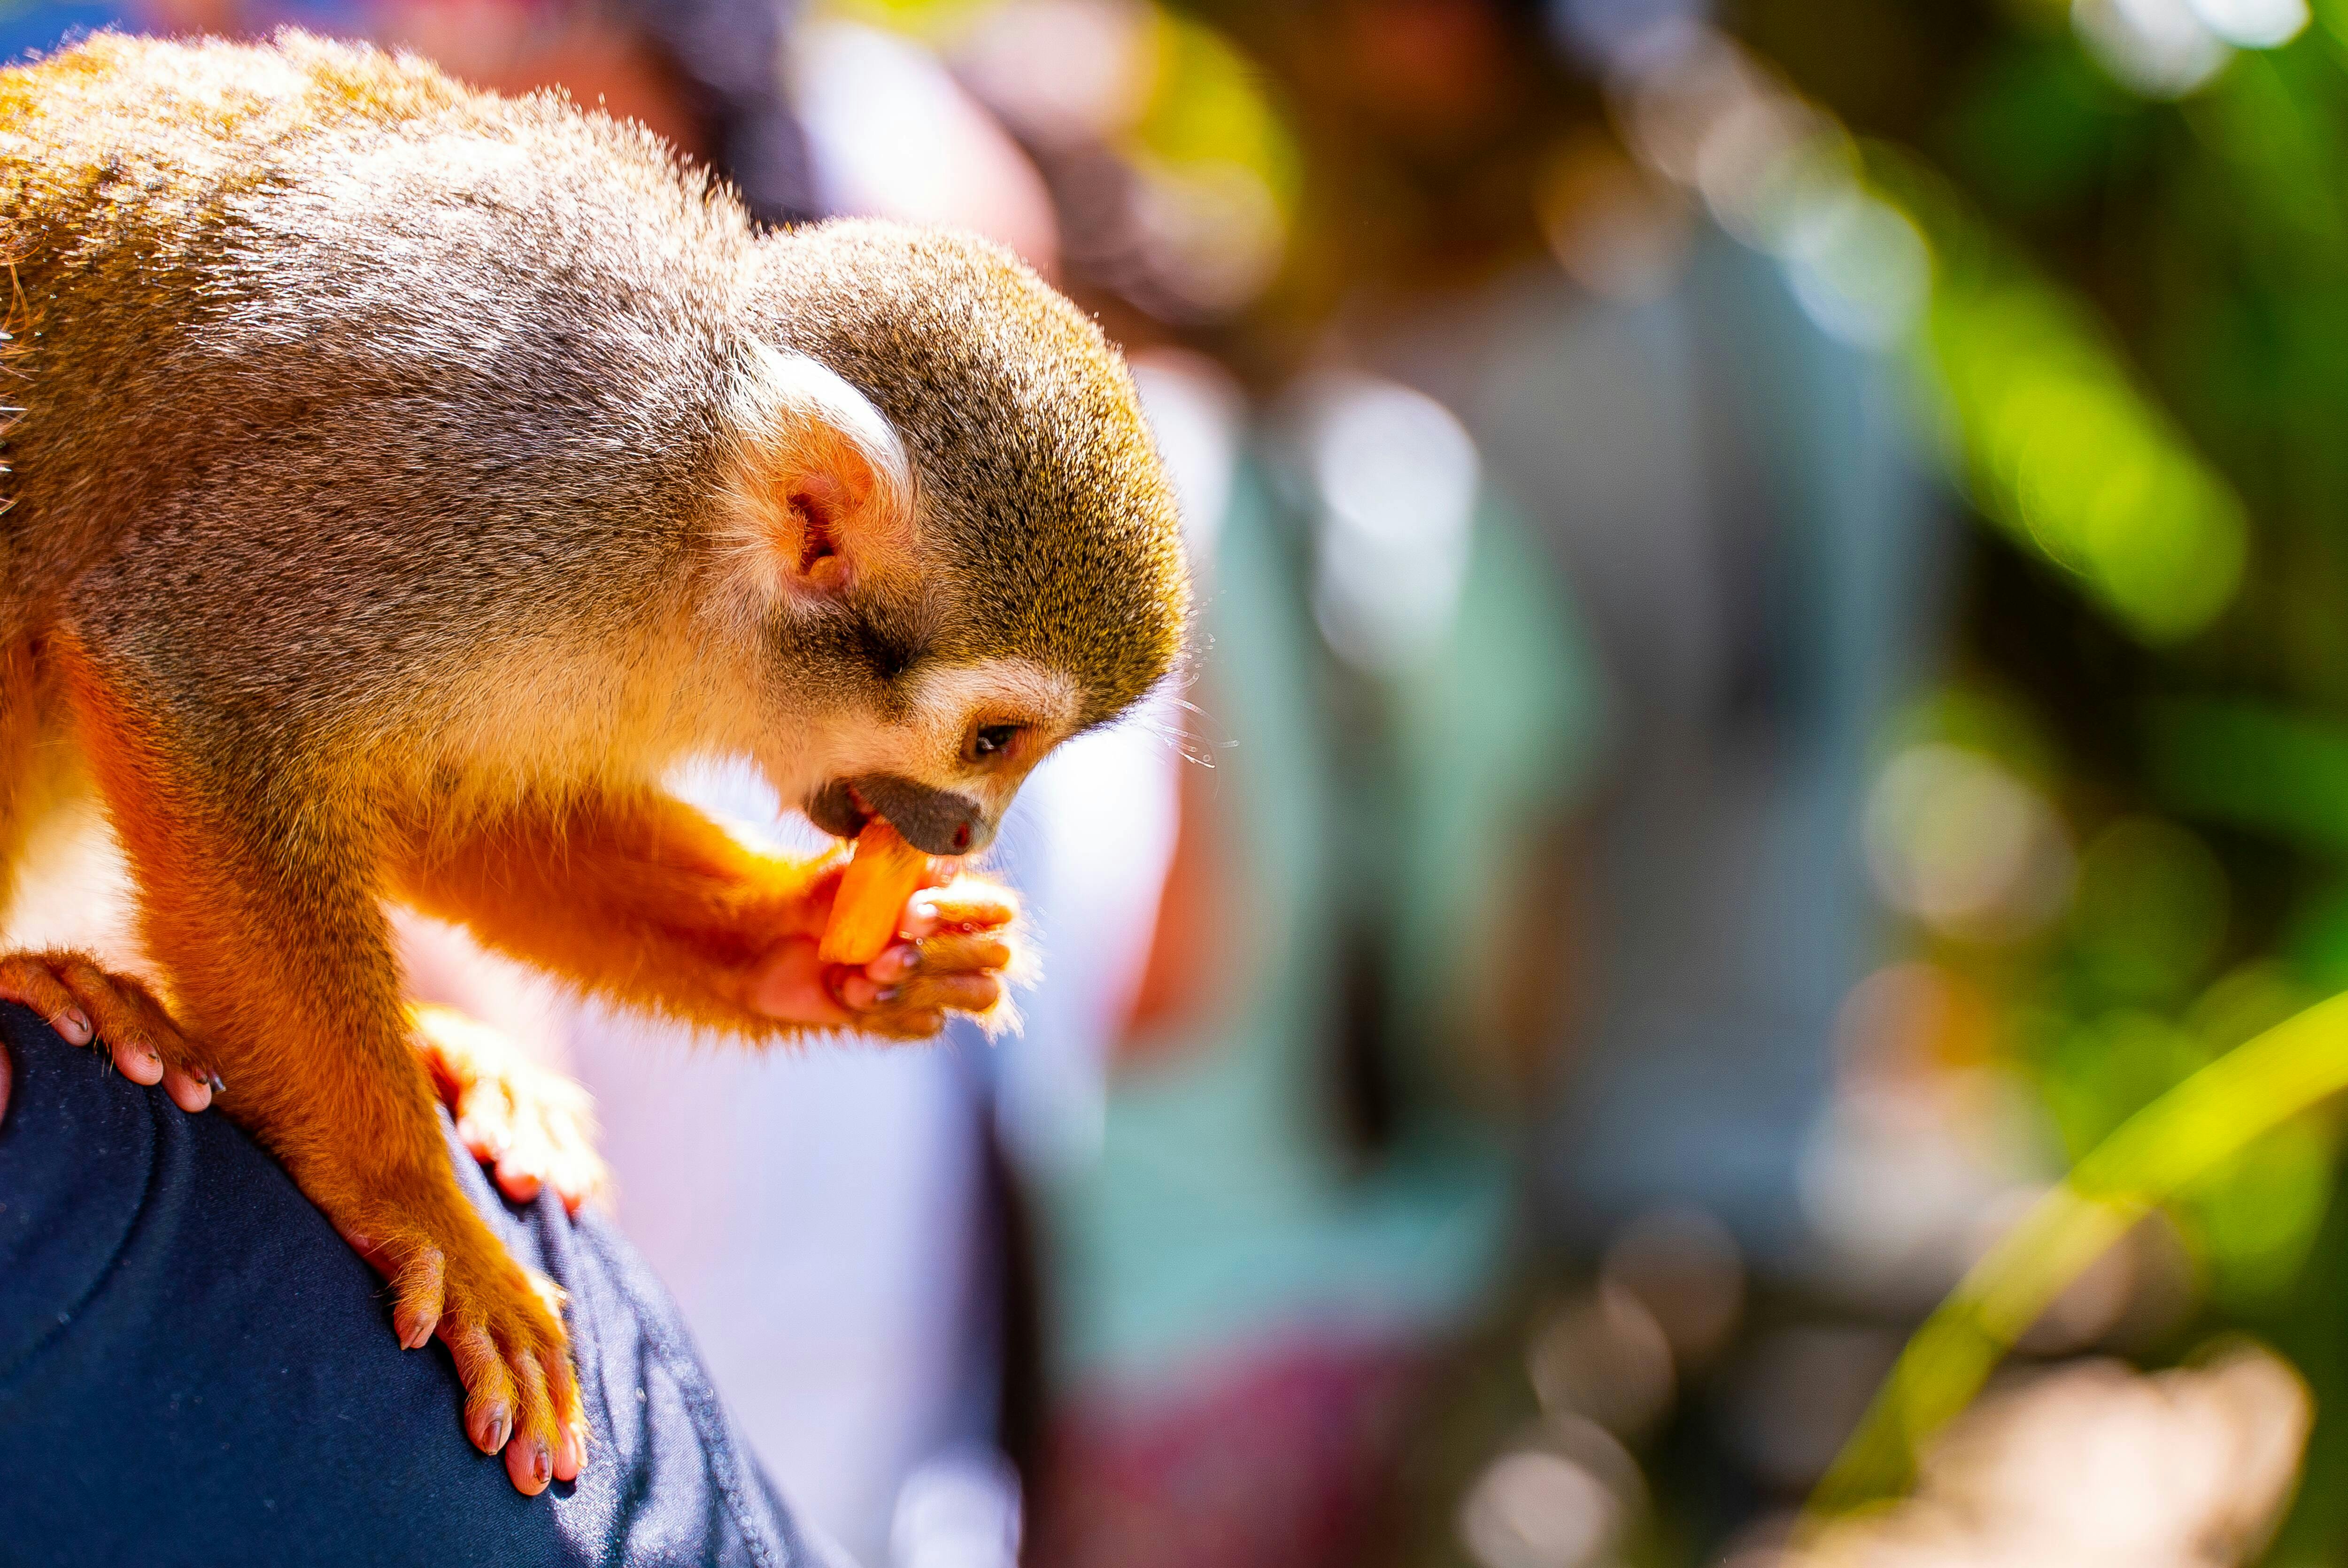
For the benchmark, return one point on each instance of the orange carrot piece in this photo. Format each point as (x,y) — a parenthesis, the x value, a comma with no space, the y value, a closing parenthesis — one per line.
(885,872)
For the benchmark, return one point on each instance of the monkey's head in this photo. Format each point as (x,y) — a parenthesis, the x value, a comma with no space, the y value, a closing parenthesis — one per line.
(960,546)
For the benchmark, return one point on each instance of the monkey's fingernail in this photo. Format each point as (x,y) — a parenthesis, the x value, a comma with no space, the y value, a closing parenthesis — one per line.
(541,1463)
(884,996)
(72,1022)
(219,1084)
(491,1429)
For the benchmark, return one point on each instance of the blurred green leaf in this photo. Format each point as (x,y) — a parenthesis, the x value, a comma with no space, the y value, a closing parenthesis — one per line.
(2150,909)
(2040,124)
(2160,1154)
(2056,438)
(2254,766)
(2255,1216)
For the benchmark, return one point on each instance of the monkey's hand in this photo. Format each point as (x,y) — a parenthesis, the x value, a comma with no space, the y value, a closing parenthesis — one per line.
(534,1127)
(956,952)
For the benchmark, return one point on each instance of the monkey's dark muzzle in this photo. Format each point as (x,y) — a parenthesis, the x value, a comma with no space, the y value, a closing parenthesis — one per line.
(933,821)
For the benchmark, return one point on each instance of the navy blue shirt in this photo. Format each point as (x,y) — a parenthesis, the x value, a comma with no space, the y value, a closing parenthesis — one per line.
(194,1367)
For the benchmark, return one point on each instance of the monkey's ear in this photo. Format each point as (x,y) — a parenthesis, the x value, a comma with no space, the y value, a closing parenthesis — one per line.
(824,484)
(835,518)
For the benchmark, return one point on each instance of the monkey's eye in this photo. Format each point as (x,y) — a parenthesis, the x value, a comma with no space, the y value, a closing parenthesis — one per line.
(990,740)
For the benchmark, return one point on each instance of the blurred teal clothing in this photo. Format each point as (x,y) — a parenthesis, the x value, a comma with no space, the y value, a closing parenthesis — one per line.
(1222,1213)
(1760,548)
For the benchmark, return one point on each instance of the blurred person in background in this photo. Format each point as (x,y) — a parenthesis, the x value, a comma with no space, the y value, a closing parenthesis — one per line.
(1716,462)
(1302,1191)
(1719,456)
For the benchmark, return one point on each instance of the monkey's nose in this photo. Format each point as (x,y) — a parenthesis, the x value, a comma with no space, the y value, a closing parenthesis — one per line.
(933,821)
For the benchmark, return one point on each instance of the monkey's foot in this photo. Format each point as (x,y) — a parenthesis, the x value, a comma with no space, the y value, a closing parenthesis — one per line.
(533,1126)
(83,1001)
(501,1323)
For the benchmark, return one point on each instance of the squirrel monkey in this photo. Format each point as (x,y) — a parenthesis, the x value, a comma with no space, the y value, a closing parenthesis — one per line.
(402,480)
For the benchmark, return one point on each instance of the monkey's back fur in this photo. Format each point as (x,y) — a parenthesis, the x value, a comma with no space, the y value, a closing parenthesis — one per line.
(263,296)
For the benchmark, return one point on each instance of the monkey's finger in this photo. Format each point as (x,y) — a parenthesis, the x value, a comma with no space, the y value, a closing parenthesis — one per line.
(483,1139)
(189,1083)
(966,952)
(187,1092)
(578,1186)
(896,1025)
(419,1290)
(479,1141)
(570,1452)
(574,1169)
(857,992)
(135,1061)
(570,1419)
(519,1177)
(965,904)
(132,1023)
(527,1157)
(793,984)
(26,977)
(957,993)
(530,1457)
(894,965)
(489,1396)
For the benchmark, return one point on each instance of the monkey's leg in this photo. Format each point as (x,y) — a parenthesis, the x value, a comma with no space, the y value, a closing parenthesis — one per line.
(259,902)
(78,998)
(640,899)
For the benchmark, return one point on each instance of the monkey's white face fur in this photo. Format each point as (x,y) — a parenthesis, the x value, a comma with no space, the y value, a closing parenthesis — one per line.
(970,733)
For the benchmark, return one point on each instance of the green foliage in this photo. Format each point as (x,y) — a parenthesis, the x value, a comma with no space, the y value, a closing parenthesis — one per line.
(2220,1145)
(2137,343)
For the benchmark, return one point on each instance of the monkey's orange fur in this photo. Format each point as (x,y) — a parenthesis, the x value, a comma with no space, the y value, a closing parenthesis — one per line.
(628,894)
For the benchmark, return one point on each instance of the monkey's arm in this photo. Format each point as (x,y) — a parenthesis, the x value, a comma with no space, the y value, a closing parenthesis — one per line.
(641,900)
